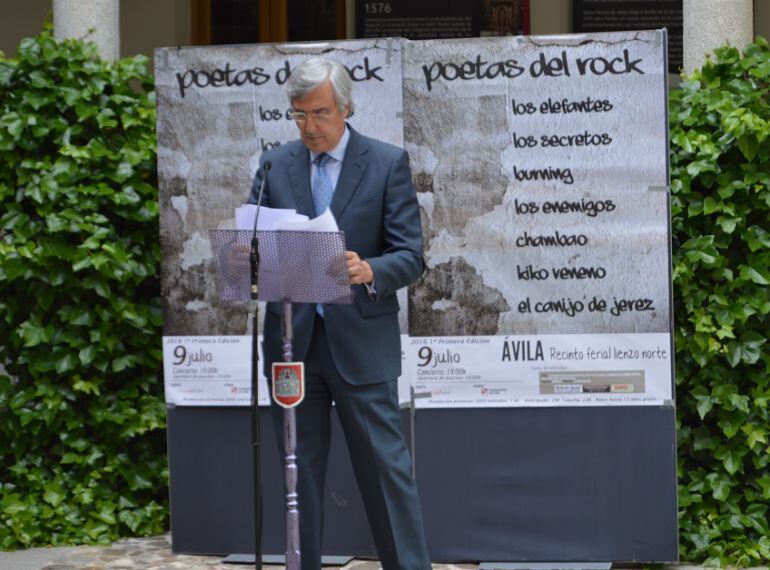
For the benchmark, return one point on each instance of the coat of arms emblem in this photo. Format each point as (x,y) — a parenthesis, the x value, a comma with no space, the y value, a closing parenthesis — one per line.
(288,383)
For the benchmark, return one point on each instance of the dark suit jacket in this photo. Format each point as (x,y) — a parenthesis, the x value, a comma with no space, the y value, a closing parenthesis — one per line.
(375,205)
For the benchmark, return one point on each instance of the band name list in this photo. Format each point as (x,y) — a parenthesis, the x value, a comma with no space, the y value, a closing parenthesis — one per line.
(580,274)
(588,139)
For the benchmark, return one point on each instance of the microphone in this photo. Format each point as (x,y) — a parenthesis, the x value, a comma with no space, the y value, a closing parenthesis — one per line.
(256,437)
(254,255)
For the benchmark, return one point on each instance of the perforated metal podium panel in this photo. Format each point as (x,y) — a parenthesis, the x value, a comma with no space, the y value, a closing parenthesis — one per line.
(305,267)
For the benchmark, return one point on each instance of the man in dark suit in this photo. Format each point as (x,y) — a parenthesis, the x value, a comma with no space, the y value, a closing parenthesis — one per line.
(352,353)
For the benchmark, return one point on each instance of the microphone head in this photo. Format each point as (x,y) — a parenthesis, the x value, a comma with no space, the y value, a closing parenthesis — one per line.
(267,165)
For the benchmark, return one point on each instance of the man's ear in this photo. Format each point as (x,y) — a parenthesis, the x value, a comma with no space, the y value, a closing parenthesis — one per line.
(346,111)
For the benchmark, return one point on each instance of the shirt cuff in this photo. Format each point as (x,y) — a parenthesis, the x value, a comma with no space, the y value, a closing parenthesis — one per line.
(371,290)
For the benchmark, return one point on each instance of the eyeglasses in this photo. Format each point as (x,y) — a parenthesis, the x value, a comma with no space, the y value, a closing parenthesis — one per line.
(300,117)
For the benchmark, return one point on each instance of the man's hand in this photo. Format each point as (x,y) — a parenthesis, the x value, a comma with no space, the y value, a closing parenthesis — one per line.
(359,270)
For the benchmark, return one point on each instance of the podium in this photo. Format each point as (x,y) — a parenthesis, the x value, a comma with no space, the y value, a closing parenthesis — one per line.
(295,267)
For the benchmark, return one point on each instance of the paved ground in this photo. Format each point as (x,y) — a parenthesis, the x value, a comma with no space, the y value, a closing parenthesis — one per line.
(32,559)
(142,554)
(155,554)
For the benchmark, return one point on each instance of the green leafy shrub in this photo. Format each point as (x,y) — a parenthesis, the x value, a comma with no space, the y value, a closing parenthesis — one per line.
(720,144)
(82,447)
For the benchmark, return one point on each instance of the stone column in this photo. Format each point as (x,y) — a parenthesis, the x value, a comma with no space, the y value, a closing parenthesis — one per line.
(709,24)
(93,20)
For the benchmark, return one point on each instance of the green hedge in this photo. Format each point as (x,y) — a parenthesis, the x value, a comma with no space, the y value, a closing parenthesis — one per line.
(82,446)
(720,159)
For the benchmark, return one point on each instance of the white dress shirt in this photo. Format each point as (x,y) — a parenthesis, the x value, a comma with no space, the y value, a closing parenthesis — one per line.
(334,164)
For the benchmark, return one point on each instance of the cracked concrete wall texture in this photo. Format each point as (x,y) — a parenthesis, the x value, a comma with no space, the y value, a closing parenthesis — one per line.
(96,20)
(480,121)
(219,108)
(709,24)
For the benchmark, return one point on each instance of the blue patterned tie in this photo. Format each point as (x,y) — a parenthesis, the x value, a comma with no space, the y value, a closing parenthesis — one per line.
(322,194)
(322,185)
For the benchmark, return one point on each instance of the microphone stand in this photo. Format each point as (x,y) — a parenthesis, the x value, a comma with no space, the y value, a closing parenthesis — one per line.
(255,420)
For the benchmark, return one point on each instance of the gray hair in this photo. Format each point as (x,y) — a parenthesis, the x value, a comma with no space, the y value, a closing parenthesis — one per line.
(313,72)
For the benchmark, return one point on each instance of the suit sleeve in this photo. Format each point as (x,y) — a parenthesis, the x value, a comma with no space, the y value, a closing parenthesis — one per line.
(401,262)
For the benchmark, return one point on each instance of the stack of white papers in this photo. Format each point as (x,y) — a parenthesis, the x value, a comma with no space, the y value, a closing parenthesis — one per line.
(271,219)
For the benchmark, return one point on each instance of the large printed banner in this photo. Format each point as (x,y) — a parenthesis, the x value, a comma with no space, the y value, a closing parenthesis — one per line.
(541,166)
(219,108)
(541,170)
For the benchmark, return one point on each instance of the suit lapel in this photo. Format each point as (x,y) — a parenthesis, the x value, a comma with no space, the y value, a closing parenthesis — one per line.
(298,170)
(353,168)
